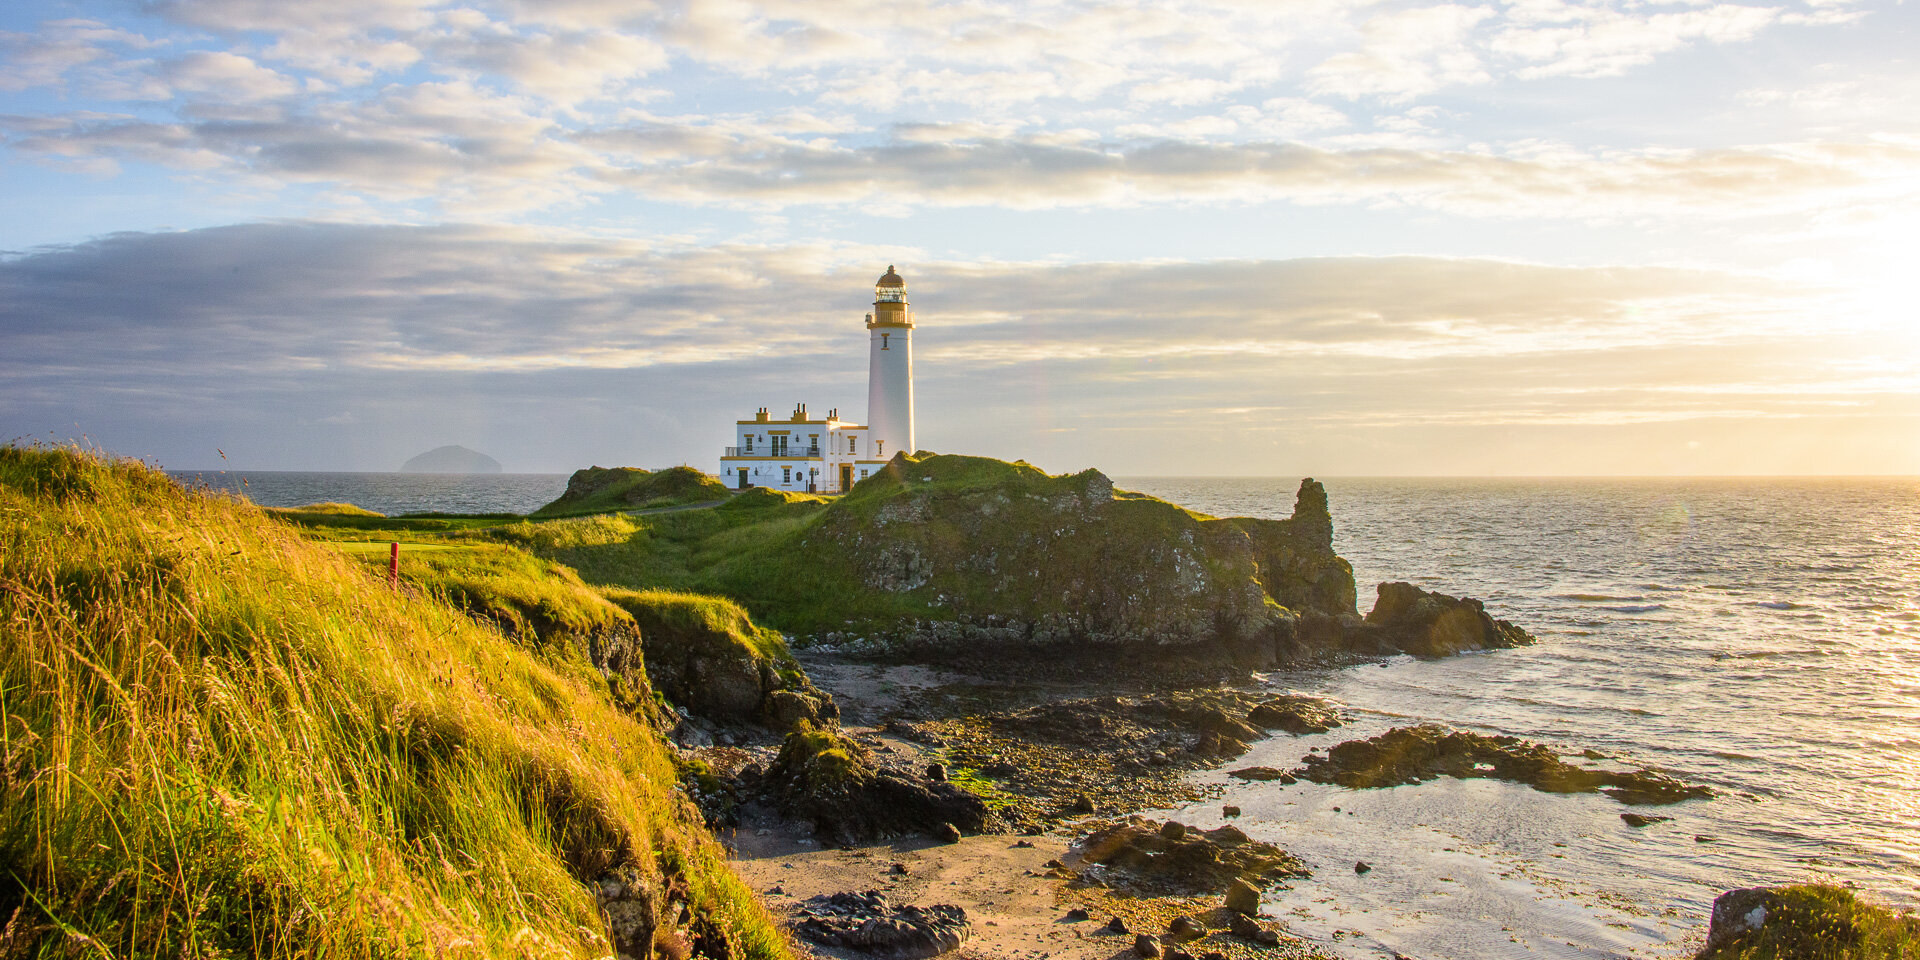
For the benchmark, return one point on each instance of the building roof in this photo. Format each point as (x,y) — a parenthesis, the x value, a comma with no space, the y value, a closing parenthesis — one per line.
(891,279)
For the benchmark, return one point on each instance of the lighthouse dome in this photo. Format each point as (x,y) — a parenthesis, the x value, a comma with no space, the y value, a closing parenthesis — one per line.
(890,288)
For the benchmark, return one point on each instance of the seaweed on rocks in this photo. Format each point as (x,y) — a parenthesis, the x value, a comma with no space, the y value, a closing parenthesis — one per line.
(1407,755)
(868,922)
(1173,858)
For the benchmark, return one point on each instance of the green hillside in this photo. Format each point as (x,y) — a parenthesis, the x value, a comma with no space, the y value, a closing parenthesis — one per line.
(220,739)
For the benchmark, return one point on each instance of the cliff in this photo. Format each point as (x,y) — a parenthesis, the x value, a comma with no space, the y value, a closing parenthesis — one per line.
(223,739)
(1002,553)
(939,554)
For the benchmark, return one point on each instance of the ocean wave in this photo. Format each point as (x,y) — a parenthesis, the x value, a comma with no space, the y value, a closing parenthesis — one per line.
(1595,597)
(1778,605)
(1636,607)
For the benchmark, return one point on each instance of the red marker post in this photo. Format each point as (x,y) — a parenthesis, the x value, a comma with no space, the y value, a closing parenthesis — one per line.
(393,566)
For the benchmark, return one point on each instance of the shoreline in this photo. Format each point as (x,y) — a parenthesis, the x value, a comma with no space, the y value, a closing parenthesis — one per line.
(1015,883)
(1010,881)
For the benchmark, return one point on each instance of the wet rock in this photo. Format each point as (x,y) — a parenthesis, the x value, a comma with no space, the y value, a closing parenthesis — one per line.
(1145,946)
(1136,852)
(1261,774)
(1436,625)
(1295,714)
(1641,819)
(868,922)
(1219,723)
(1243,898)
(1415,754)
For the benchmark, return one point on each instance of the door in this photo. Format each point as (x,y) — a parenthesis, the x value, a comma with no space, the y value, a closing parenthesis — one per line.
(743,478)
(846,477)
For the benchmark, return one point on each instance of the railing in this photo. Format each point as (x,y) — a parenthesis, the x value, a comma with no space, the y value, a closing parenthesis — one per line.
(764,450)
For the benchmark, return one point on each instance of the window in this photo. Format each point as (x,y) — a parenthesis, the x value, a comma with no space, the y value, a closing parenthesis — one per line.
(786,474)
(883,341)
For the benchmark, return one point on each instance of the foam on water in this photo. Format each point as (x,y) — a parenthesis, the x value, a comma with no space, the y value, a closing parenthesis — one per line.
(1758,636)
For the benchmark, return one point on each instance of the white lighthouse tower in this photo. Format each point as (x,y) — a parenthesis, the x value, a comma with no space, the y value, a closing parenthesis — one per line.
(890,369)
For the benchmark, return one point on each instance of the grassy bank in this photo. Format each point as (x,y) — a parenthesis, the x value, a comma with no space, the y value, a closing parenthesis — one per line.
(218,738)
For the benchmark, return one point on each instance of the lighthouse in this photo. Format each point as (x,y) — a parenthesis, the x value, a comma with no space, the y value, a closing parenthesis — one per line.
(807,454)
(890,368)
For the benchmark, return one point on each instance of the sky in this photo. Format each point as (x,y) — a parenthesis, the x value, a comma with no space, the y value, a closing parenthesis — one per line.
(1221,237)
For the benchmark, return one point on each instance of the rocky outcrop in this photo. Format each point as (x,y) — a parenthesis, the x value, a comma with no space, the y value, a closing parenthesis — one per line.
(869,923)
(708,657)
(1001,555)
(1173,858)
(1295,714)
(1811,921)
(1406,755)
(831,781)
(1436,625)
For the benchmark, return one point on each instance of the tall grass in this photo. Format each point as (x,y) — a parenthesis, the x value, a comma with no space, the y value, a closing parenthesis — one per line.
(217,739)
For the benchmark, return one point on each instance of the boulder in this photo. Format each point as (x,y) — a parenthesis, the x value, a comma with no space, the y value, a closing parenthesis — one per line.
(869,923)
(1243,898)
(1426,624)
(1295,714)
(1138,852)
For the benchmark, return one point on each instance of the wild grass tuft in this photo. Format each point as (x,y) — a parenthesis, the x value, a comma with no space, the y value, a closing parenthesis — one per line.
(218,739)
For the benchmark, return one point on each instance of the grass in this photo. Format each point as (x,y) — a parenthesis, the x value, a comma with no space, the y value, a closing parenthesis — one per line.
(344,519)
(801,562)
(601,489)
(1825,922)
(220,739)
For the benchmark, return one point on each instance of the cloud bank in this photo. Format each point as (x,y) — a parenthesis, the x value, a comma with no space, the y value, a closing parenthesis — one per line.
(339,346)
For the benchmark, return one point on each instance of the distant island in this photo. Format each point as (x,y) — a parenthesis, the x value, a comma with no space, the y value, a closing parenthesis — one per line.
(452,458)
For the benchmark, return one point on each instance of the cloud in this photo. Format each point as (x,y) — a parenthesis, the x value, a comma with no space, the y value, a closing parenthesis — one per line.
(1607,42)
(1405,54)
(315,345)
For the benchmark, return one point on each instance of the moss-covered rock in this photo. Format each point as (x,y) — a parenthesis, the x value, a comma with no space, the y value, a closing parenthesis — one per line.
(707,655)
(828,779)
(1807,922)
(601,489)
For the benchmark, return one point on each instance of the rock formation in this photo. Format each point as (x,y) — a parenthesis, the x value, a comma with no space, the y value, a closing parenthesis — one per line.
(1406,755)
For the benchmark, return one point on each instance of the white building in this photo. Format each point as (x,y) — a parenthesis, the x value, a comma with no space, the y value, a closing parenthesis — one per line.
(831,455)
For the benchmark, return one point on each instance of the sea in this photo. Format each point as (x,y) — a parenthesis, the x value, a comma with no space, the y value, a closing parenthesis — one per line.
(1758,636)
